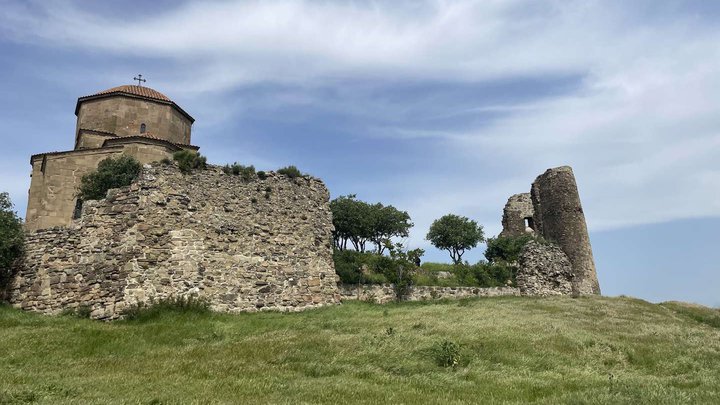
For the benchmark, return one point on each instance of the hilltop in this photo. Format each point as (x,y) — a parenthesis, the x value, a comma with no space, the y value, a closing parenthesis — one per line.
(505,350)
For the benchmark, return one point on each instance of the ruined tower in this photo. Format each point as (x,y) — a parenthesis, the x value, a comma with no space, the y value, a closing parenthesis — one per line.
(553,210)
(518,216)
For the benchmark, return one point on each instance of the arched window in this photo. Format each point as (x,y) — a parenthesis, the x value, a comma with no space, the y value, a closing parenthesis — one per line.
(142,128)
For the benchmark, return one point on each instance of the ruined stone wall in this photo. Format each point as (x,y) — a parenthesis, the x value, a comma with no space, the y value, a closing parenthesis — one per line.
(123,116)
(264,244)
(559,217)
(544,270)
(384,293)
(517,209)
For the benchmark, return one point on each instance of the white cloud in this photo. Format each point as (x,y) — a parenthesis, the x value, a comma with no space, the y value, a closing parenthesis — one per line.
(642,130)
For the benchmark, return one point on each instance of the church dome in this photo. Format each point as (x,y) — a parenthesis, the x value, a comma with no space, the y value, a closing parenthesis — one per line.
(134,90)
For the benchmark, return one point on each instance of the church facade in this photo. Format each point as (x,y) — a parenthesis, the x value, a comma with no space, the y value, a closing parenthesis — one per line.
(130,119)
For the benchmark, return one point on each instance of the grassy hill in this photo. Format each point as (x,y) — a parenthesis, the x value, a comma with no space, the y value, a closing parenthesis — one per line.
(510,350)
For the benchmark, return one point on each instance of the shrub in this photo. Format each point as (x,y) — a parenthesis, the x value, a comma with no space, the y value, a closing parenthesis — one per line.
(11,239)
(110,173)
(165,161)
(290,171)
(245,172)
(446,353)
(508,248)
(156,309)
(189,160)
(261,175)
(357,267)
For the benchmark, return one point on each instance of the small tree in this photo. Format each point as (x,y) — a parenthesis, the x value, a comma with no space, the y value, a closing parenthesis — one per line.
(400,268)
(110,173)
(455,234)
(11,239)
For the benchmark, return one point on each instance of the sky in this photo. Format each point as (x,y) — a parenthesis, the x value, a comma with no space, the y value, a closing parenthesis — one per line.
(435,107)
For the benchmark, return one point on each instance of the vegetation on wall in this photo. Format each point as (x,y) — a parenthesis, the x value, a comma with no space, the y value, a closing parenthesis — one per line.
(247,173)
(11,238)
(456,234)
(507,248)
(290,171)
(189,160)
(110,173)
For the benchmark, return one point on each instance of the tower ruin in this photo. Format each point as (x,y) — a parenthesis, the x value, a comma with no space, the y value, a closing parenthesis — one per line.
(553,210)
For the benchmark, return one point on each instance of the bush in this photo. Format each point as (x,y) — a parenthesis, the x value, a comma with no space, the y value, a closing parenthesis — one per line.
(189,161)
(245,172)
(110,173)
(290,171)
(481,274)
(446,353)
(11,239)
(508,248)
(156,309)
(358,268)
(261,175)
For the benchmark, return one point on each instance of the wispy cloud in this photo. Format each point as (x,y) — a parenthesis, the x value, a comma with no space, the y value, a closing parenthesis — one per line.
(634,111)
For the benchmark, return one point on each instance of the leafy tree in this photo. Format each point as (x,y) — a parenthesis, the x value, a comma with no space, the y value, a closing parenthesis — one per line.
(189,160)
(456,234)
(359,223)
(11,238)
(387,222)
(110,173)
(353,222)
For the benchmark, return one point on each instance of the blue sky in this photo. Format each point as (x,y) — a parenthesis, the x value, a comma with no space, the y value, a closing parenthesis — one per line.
(435,107)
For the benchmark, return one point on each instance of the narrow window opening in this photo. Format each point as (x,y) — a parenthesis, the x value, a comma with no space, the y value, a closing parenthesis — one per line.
(142,128)
(43,164)
(529,223)
(77,212)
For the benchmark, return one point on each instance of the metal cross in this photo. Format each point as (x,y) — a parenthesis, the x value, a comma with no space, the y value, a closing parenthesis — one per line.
(139,80)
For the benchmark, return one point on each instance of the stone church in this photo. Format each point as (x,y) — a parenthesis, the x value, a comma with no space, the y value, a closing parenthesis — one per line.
(131,119)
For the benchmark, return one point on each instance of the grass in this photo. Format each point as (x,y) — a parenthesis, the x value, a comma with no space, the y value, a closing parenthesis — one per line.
(503,350)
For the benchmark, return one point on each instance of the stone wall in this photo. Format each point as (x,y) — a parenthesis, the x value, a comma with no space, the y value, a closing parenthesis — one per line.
(385,293)
(559,217)
(244,246)
(544,270)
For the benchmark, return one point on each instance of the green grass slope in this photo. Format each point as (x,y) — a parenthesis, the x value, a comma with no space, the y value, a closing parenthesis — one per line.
(511,350)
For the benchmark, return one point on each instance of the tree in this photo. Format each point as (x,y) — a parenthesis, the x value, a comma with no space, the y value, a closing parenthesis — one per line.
(388,222)
(359,223)
(110,173)
(455,234)
(351,220)
(11,238)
